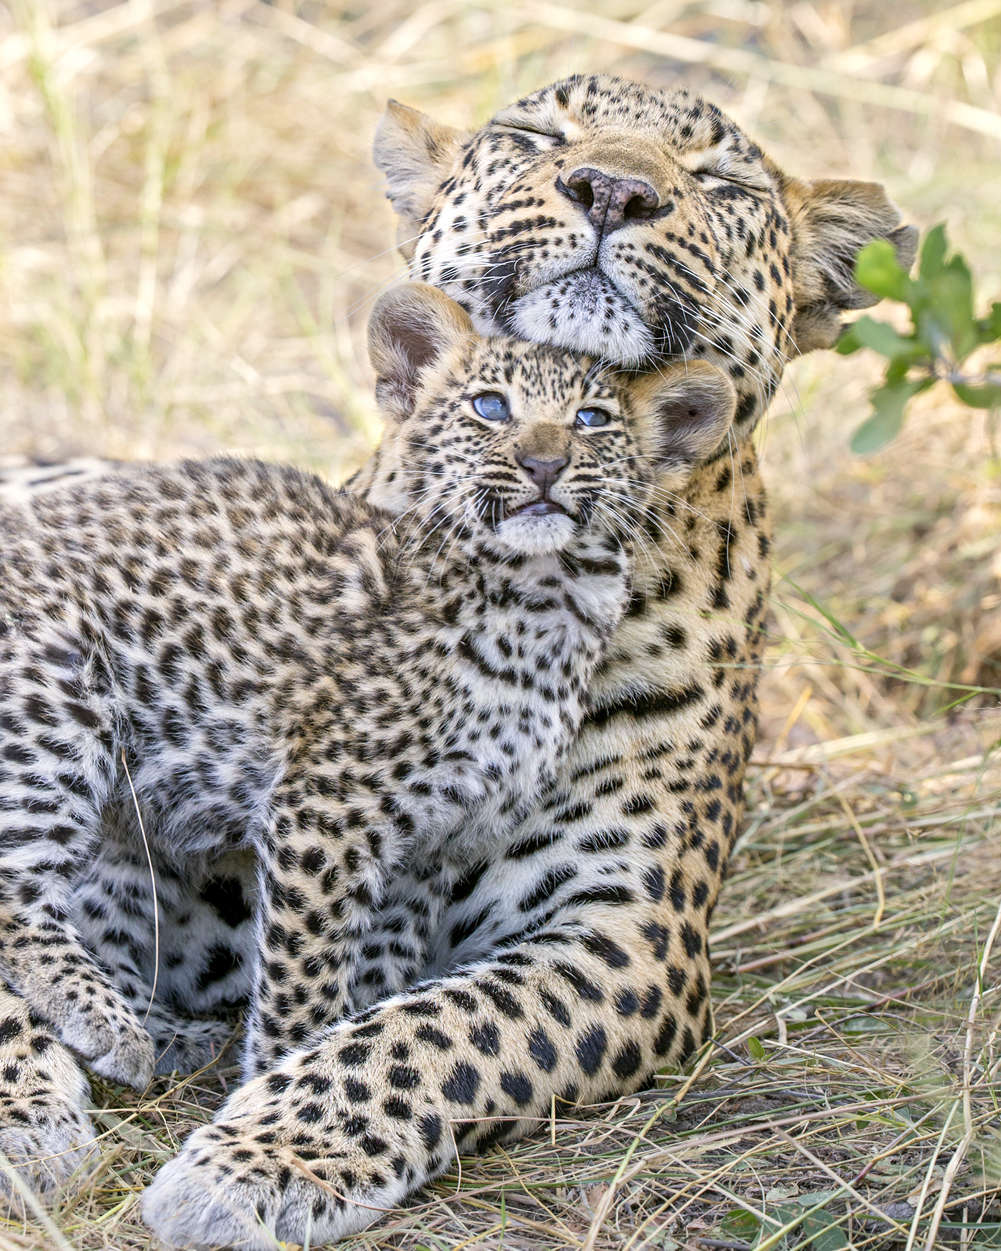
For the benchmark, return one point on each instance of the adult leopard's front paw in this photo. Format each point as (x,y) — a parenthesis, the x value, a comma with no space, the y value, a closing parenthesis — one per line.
(281,1163)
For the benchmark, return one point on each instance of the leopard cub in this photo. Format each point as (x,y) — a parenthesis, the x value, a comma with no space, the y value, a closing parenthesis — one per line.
(224,657)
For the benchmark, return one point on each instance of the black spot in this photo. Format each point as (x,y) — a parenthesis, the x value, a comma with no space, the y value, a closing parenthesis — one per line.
(691,939)
(404,1077)
(628,1060)
(518,1087)
(541,1049)
(591,1047)
(9,1029)
(224,895)
(485,1038)
(430,1126)
(353,1054)
(601,945)
(461,1084)
(428,1034)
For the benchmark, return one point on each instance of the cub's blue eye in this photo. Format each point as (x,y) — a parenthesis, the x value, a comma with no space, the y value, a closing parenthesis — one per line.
(492,406)
(592,417)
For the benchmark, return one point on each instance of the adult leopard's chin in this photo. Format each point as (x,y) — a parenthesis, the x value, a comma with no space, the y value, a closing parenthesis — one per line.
(583,312)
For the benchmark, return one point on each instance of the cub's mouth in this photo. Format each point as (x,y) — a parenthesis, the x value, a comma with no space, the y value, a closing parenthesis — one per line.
(539,508)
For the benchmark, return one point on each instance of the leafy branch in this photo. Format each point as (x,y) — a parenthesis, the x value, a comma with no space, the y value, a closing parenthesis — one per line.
(944,334)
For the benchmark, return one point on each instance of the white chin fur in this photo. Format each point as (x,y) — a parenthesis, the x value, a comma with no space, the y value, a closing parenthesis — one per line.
(574,311)
(534,535)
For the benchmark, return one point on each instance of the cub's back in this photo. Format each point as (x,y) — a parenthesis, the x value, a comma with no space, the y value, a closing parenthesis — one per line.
(159,539)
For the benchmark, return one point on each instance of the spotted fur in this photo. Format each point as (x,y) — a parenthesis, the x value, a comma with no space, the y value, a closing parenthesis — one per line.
(225,658)
(22,478)
(574,962)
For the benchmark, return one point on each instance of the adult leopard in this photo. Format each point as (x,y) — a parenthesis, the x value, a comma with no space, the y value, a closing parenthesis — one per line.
(598,215)
(603,216)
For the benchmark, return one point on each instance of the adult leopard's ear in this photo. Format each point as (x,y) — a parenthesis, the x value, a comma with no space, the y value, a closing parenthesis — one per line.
(416,154)
(684,412)
(410,327)
(831,220)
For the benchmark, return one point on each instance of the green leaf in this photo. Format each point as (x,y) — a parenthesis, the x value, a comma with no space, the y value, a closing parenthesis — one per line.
(883,339)
(742,1223)
(989,327)
(953,294)
(988,396)
(887,418)
(878,270)
(848,343)
(932,252)
(823,1232)
(755,1048)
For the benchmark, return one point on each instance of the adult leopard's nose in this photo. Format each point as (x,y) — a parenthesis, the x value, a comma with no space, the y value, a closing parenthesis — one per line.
(609,201)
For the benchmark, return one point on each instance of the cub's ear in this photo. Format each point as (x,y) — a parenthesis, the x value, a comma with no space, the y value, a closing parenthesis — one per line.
(684,412)
(416,154)
(410,327)
(831,220)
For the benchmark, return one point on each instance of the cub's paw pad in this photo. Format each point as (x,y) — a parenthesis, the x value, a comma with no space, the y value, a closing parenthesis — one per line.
(43,1139)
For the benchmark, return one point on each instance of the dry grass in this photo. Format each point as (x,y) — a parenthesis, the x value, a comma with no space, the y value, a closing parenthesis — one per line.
(191,235)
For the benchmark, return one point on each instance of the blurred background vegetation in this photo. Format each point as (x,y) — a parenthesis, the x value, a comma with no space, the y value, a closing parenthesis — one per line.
(191,235)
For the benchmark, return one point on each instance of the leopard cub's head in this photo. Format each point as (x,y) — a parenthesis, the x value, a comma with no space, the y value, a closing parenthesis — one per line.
(526,445)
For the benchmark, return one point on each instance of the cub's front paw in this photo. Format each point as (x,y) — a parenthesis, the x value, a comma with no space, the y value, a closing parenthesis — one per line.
(44,1139)
(112,1042)
(283,1162)
(44,1133)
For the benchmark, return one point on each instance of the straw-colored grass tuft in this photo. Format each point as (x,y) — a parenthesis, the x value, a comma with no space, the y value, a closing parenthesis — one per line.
(191,234)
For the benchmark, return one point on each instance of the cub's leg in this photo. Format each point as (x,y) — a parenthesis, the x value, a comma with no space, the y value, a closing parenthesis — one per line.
(394,953)
(56,775)
(47,964)
(322,869)
(44,1132)
(131,934)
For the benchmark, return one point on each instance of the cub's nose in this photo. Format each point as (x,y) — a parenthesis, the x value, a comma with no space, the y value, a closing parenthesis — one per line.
(609,202)
(542,472)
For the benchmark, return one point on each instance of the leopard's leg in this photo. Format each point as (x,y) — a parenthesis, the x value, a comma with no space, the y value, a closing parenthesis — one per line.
(130,933)
(48,965)
(45,1133)
(319,877)
(378,1106)
(57,771)
(394,952)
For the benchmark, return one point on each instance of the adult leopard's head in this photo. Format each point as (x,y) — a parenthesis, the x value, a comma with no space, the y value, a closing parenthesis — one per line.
(632,224)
